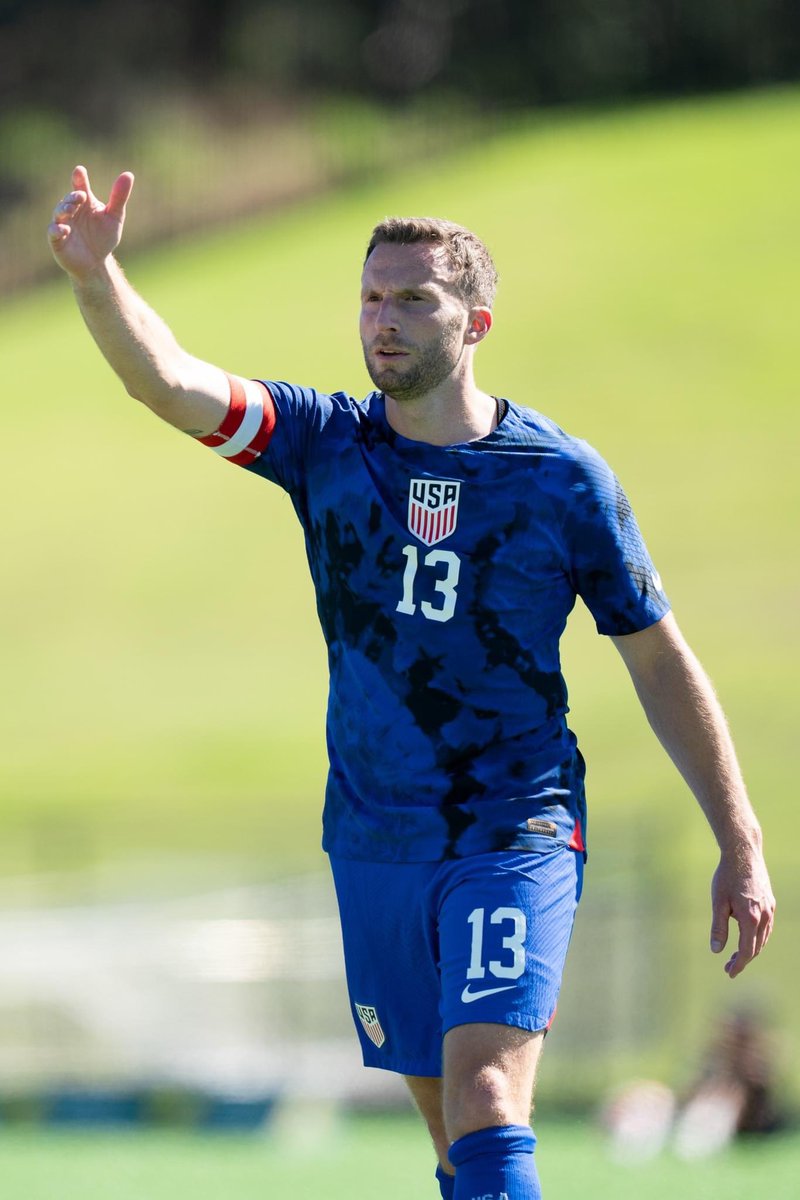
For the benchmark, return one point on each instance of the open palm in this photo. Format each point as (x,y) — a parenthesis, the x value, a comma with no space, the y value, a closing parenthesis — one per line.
(84,231)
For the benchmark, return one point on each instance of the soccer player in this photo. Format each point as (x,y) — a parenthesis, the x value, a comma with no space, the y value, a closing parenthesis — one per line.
(448,534)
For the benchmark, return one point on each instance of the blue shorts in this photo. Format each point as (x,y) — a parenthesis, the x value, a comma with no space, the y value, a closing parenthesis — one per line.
(431,945)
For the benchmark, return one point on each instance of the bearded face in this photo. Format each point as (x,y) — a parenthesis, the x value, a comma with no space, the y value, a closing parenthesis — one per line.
(408,370)
(412,320)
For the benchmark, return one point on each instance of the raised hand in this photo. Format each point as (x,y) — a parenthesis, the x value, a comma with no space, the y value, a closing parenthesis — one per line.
(84,231)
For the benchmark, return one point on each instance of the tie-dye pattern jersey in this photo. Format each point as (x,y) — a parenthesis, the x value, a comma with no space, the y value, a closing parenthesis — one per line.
(444,579)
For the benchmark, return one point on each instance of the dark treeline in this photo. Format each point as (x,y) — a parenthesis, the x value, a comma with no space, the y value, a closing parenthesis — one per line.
(195,93)
(84,57)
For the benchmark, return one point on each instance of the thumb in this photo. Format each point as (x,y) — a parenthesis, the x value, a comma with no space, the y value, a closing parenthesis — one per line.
(120,192)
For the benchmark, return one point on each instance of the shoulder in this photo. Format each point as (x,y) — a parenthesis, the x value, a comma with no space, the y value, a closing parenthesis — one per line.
(298,396)
(562,454)
(313,406)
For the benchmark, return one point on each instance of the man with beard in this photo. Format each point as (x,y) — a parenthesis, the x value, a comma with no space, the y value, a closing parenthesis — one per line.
(448,534)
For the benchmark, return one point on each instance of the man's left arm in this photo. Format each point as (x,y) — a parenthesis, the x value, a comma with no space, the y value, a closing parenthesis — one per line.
(686,716)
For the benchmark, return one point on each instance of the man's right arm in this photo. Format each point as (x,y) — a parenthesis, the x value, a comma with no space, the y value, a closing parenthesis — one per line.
(186,392)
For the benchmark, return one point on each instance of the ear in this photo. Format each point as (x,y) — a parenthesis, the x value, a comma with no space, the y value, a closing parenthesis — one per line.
(478,325)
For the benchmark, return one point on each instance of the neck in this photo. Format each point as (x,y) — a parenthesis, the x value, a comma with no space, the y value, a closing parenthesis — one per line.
(441,419)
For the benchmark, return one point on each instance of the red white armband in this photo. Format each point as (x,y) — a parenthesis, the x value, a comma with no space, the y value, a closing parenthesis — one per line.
(248,425)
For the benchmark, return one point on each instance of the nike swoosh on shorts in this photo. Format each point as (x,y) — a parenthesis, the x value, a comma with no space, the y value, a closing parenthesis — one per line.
(467,995)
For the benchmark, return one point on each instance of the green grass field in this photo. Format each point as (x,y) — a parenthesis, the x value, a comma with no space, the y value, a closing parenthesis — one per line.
(161,647)
(385,1157)
(163,670)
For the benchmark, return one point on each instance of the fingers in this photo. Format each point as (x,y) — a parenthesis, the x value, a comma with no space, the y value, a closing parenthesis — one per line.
(82,200)
(84,231)
(80,182)
(746,950)
(755,927)
(69,206)
(64,213)
(57,233)
(120,191)
(765,927)
(741,890)
(720,916)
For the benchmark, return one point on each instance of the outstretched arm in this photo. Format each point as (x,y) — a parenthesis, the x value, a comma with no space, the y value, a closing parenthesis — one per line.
(186,392)
(686,716)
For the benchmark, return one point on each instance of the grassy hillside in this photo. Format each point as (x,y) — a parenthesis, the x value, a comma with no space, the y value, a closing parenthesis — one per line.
(164,673)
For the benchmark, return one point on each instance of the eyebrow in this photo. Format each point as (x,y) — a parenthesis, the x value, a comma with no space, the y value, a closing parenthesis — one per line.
(410,289)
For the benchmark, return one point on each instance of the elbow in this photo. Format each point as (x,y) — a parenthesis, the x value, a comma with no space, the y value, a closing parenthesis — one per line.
(160,395)
(151,399)
(135,391)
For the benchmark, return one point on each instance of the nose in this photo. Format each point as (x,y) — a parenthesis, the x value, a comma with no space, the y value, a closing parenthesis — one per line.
(386,316)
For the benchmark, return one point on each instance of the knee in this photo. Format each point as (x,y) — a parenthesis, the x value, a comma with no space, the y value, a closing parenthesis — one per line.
(486,1099)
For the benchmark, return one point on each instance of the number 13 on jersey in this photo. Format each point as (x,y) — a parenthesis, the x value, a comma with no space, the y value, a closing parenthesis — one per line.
(447,567)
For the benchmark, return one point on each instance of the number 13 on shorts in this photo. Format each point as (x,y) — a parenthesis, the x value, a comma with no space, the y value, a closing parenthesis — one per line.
(513,928)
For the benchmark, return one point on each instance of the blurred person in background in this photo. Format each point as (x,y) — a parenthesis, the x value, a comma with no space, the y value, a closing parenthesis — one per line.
(736,1091)
(448,534)
(735,1094)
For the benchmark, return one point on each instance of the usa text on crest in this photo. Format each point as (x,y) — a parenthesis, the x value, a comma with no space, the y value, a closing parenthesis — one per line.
(433,509)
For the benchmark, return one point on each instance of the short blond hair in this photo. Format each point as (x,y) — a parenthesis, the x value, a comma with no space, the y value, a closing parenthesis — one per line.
(475,274)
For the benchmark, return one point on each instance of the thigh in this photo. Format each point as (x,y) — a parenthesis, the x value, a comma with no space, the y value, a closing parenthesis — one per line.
(392,974)
(505,922)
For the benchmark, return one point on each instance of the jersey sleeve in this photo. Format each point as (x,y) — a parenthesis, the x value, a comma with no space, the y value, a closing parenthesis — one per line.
(248,426)
(610,566)
(269,429)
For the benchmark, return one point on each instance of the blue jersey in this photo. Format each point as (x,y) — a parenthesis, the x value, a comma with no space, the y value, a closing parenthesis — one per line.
(444,577)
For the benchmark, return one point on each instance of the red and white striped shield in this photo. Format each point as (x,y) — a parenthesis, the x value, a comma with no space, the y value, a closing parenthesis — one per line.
(372,1026)
(433,509)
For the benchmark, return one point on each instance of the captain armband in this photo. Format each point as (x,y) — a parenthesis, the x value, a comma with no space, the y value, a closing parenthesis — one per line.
(248,425)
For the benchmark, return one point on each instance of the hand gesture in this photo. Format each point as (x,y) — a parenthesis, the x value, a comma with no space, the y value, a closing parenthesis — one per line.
(84,231)
(741,889)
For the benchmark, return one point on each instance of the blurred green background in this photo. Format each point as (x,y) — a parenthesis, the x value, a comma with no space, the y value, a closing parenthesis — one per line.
(164,671)
(359,1158)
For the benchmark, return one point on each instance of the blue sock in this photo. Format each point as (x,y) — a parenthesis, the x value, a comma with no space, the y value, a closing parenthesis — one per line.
(446,1183)
(496,1164)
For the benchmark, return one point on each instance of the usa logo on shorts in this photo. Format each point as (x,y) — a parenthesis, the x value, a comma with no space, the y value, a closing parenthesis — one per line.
(433,509)
(372,1026)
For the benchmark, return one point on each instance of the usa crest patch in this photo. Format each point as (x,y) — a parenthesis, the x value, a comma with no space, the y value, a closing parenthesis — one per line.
(433,509)
(372,1026)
